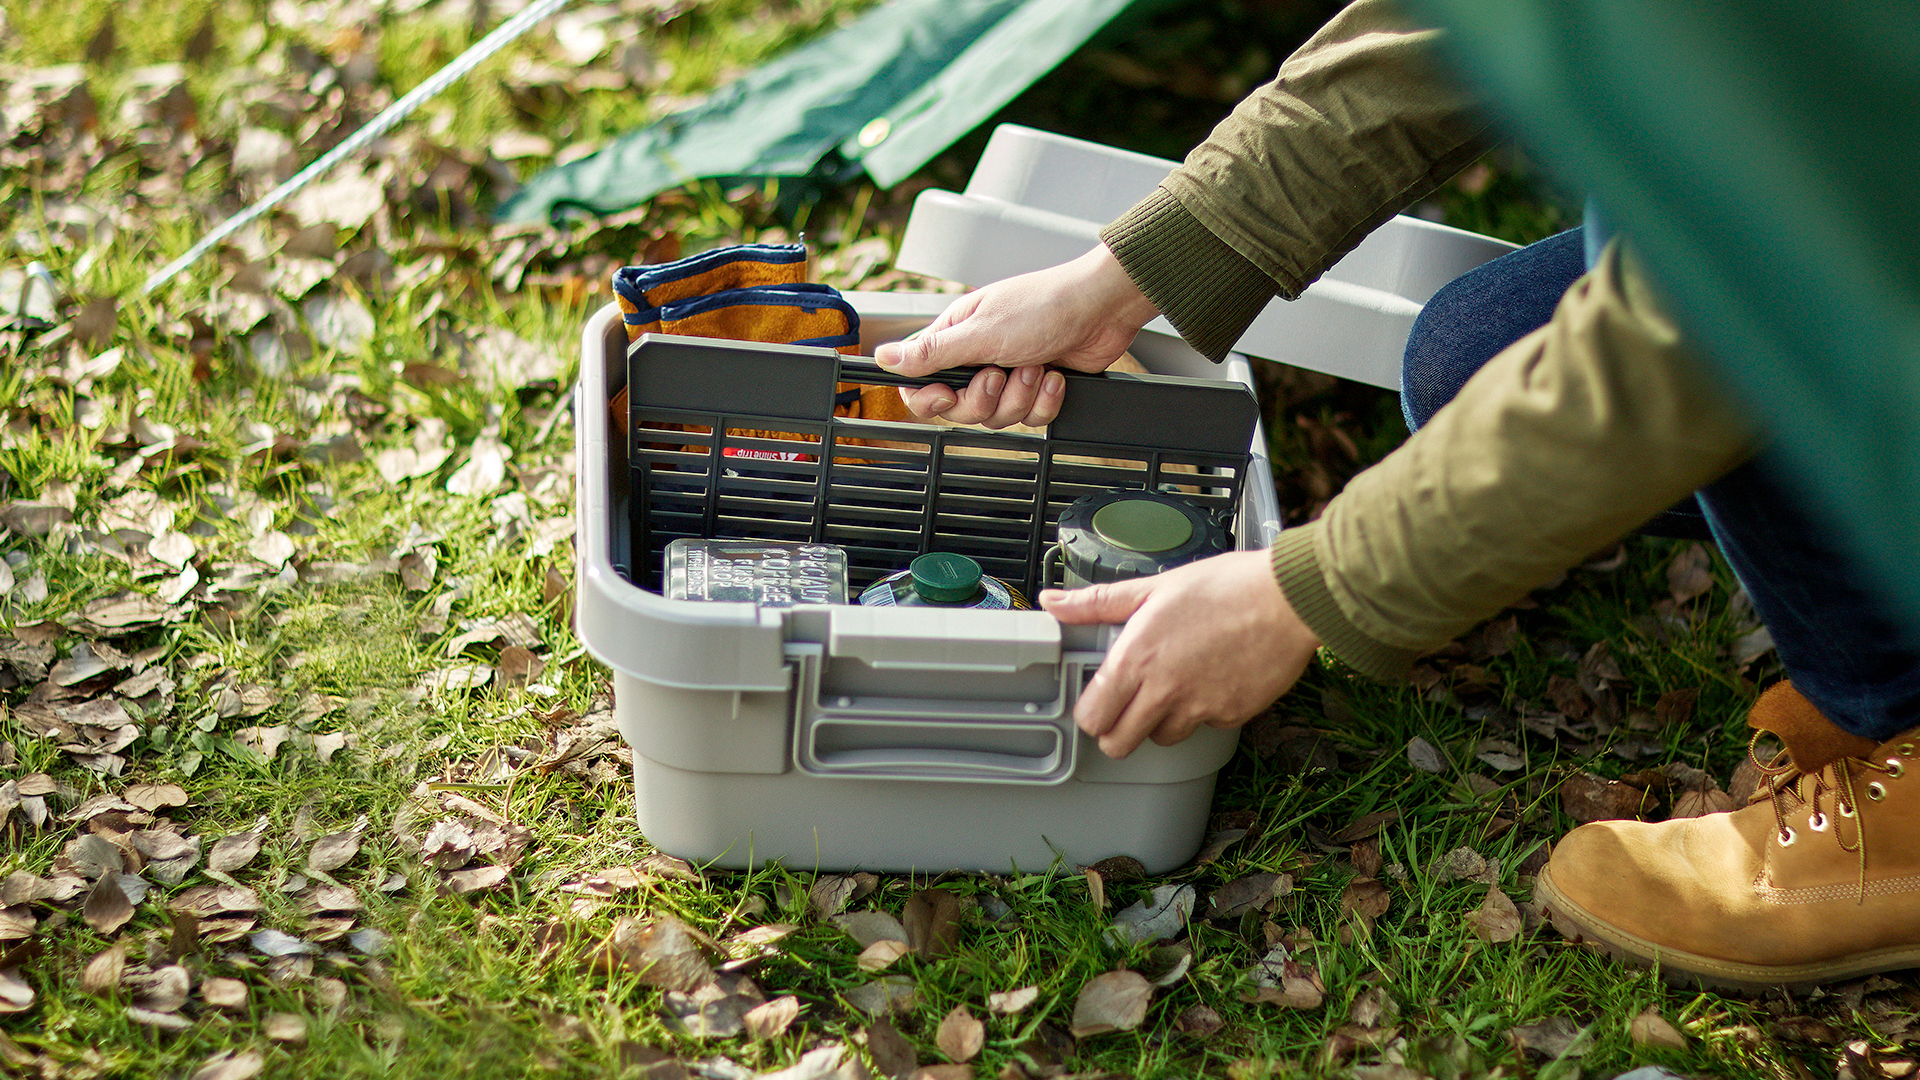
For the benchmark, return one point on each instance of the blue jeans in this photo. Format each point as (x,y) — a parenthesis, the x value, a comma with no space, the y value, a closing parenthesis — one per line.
(1856,665)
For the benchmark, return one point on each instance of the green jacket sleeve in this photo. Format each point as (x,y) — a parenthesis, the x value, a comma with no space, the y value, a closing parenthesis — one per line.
(1359,124)
(1562,443)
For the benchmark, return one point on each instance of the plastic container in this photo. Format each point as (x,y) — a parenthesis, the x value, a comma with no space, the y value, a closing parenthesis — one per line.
(1038,199)
(898,739)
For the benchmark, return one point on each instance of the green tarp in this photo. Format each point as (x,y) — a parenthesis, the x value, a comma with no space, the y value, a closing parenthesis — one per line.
(883,94)
(1763,155)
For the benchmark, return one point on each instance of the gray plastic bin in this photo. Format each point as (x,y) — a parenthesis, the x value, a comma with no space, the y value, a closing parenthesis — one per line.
(897,739)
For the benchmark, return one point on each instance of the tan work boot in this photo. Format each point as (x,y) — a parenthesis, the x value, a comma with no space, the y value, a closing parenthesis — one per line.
(1816,880)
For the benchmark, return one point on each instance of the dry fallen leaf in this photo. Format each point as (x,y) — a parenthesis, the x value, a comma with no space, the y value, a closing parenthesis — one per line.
(867,927)
(1161,915)
(663,952)
(1115,1001)
(1701,803)
(15,995)
(233,1065)
(285,1028)
(224,993)
(107,908)
(1496,920)
(1009,1002)
(1652,1029)
(932,921)
(1551,1038)
(884,995)
(1367,825)
(961,1035)
(333,851)
(1586,798)
(1424,756)
(771,1020)
(892,1054)
(1250,893)
(151,797)
(102,974)
(1690,574)
(1199,1022)
(881,955)
(1366,897)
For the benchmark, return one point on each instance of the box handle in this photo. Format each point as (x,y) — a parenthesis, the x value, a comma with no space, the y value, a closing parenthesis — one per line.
(880,735)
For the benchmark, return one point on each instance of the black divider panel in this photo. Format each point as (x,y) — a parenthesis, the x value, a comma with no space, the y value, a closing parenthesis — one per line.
(783,468)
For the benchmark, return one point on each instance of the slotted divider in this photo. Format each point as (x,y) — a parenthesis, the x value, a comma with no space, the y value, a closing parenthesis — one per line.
(737,439)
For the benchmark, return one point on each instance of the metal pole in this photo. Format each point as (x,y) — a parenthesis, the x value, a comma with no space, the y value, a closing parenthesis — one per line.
(376,127)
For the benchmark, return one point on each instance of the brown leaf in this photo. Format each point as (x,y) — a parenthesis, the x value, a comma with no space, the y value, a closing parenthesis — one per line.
(881,955)
(1296,987)
(1496,920)
(1676,706)
(224,993)
(830,894)
(462,882)
(1365,897)
(235,1065)
(285,1028)
(17,923)
(1586,797)
(961,1036)
(102,974)
(1367,825)
(1690,574)
(205,901)
(868,927)
(1253,892)
(331,852)
(1115,1001)
(771,1020)
(663,952)
(230,853)
(892,1053)
(152,797)
(163,989)
(1692,804)
(107,908)
(1652,1029)
(15,995)
(1366,856)
(1550,1038)
(1009,1002)
(885,995)
(1096,889)
(1199,1022)
(932,921)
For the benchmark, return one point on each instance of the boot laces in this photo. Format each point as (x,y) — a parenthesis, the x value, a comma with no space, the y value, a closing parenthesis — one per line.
(1780,782)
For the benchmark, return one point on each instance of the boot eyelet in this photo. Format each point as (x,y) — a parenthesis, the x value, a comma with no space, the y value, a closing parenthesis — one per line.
(1818,822)
(1876,791)
(1895,768)
(1787,836)
(1904,748)
(1845,809)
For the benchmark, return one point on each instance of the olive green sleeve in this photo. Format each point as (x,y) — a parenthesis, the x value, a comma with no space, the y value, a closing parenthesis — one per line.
(1359,124)
(1561,444)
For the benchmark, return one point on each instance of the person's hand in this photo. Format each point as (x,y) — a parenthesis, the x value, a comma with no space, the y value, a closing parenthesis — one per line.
(1212,642)
(1080,315)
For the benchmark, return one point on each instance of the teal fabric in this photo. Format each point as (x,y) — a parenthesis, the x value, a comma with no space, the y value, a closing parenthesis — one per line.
(914,75)
(1762,155)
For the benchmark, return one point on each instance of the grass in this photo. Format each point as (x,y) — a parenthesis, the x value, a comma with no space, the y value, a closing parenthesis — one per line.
(492,982)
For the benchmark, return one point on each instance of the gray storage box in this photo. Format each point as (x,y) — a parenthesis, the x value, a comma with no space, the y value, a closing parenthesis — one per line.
(897,739)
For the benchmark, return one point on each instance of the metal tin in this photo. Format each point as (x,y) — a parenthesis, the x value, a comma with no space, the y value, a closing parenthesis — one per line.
(771,573)
(943,579)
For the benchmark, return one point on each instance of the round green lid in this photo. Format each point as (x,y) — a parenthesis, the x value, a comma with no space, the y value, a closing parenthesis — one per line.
(944,577)
(1142,525)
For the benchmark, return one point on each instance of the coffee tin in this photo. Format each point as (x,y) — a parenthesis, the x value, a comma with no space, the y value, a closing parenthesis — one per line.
(770,573)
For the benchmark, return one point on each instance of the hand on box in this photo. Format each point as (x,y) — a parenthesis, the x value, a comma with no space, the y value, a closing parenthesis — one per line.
(1080,315)
(1212,642)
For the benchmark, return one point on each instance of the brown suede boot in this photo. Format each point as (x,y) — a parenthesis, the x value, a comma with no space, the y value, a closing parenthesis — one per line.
(1816,880)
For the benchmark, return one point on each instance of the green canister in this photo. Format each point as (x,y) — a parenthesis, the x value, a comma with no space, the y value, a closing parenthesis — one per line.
(1118,535)
(943,579)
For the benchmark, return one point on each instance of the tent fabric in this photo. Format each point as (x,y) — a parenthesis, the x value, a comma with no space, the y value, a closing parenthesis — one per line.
(1761,154)
(886,92)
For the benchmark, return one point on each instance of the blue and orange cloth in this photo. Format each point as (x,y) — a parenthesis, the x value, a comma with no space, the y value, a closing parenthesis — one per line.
(749,292)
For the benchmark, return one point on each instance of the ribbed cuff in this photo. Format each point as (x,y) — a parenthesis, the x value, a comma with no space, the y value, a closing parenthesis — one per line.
(1207,290)
(1297,567)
